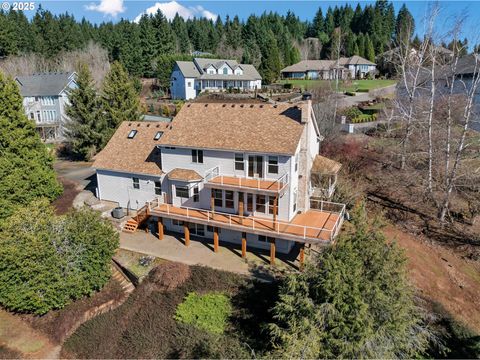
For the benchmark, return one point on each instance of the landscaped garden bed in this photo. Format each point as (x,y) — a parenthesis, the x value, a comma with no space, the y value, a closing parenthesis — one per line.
(138,264)
(219,318)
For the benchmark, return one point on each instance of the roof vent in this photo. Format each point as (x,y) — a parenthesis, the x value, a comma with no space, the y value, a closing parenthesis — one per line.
(275,106)
(224,105)
(129,124)
(189,105)
(148,125)
(261,106)
(138,124)
(233,105)
(206,105)
(158,125)
(242,106)
(251,106)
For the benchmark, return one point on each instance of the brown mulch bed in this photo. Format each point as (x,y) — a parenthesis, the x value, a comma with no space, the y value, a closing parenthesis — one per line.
(7,353)
(65,202)
(144,326)
(55,324)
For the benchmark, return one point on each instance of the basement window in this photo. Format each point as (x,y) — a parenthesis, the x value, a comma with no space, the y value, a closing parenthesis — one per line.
(132,134)
(158,135)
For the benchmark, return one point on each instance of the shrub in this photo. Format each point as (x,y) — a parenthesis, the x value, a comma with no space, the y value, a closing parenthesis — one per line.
(350,93)
(209,312)
(48,260)
(352,112)
(288,86)
(166,110)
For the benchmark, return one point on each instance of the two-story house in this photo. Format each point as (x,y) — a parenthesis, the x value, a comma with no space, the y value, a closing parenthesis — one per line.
(44,99)
(189,78)
(239,173)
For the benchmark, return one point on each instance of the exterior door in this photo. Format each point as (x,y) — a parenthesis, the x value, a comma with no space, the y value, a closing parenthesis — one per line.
(255,166)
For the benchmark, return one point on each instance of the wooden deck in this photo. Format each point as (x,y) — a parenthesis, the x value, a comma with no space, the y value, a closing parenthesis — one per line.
(307,227)
(242,182)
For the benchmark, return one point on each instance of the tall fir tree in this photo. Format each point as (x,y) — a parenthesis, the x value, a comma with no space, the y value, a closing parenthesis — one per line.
(369,50)
(119,100)
(26,167)
(84,130)
(353,301)
(404,26)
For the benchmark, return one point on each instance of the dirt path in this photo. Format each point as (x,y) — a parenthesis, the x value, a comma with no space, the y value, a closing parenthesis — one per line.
(442,276)
(17,335)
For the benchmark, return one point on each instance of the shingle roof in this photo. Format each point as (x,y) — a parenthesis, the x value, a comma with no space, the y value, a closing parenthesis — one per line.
(48,84)
(136,155)
(188,69)
(324,65)
(184,175)
(262,128)
(323,165)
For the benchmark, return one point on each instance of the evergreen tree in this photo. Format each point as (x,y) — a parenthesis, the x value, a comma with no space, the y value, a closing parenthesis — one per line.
(369,50)
(270,66)
(84,130)
(148,45)
(165,36)
(119,100)
(361,45)
(404,27)
(354,301)
(318,24)
(180,30)
(26,167)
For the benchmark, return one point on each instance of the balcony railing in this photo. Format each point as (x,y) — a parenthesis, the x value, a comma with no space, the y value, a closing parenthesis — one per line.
(213,176)
(282,229)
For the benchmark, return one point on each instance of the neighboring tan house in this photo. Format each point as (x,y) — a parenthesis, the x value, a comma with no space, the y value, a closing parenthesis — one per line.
(44,99)
(189,78)
(354,67)
(239,173)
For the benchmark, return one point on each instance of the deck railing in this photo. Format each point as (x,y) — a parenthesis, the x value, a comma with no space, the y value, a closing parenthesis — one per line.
(254,223)
(243,182)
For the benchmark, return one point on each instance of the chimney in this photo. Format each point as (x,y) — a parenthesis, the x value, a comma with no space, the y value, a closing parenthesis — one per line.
(306,111)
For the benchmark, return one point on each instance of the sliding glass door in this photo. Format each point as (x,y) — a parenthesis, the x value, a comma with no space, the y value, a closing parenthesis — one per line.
(255,166)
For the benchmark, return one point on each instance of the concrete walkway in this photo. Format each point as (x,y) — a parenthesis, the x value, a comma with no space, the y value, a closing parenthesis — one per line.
(200,252)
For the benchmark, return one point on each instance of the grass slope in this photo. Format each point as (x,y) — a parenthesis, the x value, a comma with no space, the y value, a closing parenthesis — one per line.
(354,85)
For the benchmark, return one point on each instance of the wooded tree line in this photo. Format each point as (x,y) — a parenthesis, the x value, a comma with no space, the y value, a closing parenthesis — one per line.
(269,41)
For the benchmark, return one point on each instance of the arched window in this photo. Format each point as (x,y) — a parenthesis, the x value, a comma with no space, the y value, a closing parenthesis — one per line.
(225,71)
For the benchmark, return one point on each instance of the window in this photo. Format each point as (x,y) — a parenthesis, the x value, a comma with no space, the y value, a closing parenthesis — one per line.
(197,156)
(296,162)
(225,71)
(263,238)
(189,84)
(39,118)
(177,222)
(249,202)
(196,197)
(239,164)
(132,134)
(261,203)
(197,229)
(136,183)
(181,191)
(32,116)
(271,210)
(36,98)
(158,135)
(273,164)
(217,197)
(158,188)
(229,199)
(209,228)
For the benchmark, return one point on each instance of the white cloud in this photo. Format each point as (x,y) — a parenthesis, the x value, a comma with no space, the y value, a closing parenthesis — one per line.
(169,9)
(108,7)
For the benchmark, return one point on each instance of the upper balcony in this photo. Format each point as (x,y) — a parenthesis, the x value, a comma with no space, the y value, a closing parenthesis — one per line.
(272,186)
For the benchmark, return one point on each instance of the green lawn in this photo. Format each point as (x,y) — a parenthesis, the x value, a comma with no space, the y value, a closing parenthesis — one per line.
(353,85)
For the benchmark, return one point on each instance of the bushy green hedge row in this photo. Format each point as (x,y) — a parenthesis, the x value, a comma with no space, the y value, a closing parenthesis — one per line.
(363,118)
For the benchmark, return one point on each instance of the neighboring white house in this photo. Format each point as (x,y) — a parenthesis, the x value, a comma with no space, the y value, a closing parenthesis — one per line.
(239,173)
(354,67)
(189,78)
(44,99)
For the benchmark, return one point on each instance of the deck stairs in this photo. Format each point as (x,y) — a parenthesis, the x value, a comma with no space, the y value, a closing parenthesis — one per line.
(132,224)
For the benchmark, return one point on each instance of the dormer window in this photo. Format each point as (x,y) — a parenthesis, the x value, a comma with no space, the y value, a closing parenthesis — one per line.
(158,135)
(225,71)
(132,134)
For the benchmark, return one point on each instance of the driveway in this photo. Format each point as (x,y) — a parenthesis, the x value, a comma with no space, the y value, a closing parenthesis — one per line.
(200,252)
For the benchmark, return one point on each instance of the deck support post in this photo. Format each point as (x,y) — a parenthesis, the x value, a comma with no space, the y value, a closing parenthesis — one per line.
(302,257)
(215,239)
(244,245)
(160,228)
(272,252)
(187,233)
(212,202)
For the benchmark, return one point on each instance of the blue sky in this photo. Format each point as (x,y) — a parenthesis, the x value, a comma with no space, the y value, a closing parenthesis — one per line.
(112,10)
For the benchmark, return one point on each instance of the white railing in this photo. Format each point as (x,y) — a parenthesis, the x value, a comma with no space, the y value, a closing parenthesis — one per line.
(243,182)
(249,222)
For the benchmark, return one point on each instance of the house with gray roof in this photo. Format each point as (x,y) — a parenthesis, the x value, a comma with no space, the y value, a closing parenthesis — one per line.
(44,99)
(189,78)
(354,67)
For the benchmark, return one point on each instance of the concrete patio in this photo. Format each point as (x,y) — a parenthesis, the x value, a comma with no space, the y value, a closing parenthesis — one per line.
(200,252)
